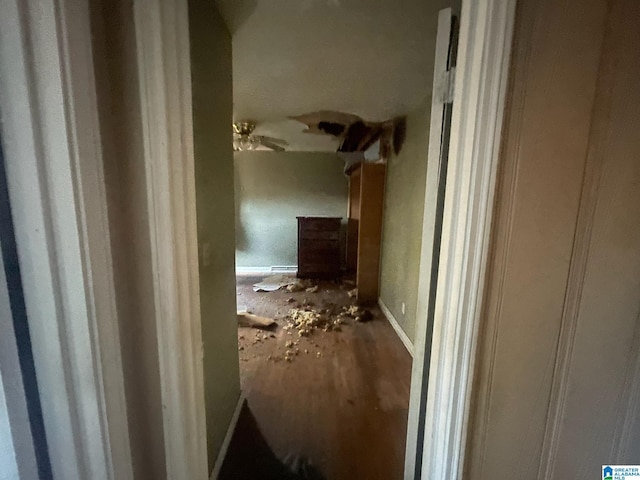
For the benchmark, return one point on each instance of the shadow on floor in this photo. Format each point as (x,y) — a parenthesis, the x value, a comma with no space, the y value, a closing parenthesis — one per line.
(249,456)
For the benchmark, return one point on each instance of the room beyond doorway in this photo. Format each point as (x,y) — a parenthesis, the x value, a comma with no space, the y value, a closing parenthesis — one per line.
(358,159)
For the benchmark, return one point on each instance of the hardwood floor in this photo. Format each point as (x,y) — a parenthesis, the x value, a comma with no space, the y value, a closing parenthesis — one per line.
(341,414)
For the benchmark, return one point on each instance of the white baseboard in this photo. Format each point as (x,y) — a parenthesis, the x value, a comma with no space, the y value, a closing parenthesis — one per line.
(396,326)
(227,438)
(253,270)
(246,271)
(284,269)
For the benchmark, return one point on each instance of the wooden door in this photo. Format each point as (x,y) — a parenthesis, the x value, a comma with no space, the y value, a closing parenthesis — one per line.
(370,231)
(353,221)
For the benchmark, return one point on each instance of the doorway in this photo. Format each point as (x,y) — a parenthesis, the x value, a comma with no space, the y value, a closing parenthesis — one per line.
(465,218)
(173,253)
(329,215)
(327,180)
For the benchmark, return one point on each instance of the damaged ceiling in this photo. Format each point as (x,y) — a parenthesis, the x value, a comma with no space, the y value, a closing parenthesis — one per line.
(369,58)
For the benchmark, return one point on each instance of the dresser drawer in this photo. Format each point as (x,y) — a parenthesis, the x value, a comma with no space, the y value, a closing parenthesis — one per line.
(319,235)
(319,224)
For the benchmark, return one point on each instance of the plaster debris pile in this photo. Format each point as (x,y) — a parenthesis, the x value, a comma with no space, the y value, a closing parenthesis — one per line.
(357,313)
(305,321)
(302,285)
(304,318)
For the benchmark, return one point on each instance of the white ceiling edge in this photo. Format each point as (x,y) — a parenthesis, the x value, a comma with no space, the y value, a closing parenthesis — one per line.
(291,57)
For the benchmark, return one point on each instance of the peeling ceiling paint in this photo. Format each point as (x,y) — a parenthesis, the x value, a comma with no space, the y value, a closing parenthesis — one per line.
(372,58)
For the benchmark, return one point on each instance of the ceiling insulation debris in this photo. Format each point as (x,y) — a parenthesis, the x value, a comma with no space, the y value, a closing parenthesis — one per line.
(327,122)
(307,320)
(304,319)
(356,134)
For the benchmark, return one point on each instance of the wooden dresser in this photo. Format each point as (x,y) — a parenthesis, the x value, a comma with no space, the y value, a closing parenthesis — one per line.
(319,247)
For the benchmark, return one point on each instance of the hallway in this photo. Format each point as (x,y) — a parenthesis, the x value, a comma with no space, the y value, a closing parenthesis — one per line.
(344,412)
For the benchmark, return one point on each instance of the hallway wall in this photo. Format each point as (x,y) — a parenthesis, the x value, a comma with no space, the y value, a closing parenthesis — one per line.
(212,117)
(402,224)
(558,375)
(272,188)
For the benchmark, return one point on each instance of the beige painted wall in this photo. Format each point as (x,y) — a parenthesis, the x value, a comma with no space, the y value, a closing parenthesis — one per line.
(119,111)
(273,188)
(558,381)
(212,117)
(402,226)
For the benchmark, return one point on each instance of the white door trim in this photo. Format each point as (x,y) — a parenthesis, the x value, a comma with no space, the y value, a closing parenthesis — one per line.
(422,337)
(162,37)
(51,142)
(445,380)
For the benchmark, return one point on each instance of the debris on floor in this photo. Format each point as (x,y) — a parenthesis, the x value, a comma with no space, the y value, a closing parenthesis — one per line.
(278,282)
(306,320)
(246,319)
(295,287)
(312,307)
(358,313)
(301,285)
(274,282)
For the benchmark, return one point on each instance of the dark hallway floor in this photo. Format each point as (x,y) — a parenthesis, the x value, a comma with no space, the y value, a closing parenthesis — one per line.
(338,415)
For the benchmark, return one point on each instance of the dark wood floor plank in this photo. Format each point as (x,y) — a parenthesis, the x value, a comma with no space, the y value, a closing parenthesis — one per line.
(343,412)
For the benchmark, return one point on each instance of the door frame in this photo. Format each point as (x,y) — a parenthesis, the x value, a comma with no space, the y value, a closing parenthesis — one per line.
(51,145)
(60,212)
(164,65)
(445,344)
